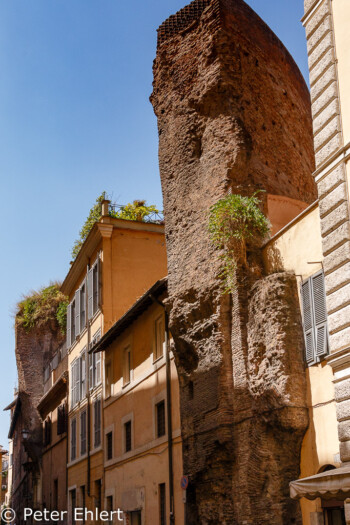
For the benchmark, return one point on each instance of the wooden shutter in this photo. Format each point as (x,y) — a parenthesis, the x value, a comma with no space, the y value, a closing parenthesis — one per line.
(83,305)
(78,390)
(308,321)
(98,279)
(97,422)
(320,314)
(83,433)
(69,325)
(90,292)
(77,312)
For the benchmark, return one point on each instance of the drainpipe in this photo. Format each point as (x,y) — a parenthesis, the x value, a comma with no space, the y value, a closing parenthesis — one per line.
(169,417)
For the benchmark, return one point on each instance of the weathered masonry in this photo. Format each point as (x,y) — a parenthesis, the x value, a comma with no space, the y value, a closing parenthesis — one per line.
(233,116)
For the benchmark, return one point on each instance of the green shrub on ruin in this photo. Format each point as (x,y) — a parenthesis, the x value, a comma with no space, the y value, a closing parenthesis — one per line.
(40,307)
(236,221)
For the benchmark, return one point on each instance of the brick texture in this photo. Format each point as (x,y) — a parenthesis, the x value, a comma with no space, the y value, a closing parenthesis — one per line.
(233,115)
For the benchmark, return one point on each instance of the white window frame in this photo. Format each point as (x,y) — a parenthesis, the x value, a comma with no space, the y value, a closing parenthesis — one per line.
(158,347)
(107,431)
(128,374)
(155,400)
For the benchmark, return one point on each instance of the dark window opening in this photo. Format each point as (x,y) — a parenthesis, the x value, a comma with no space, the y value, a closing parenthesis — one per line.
(109,440)
(127,431)
(162,504)
(160,413)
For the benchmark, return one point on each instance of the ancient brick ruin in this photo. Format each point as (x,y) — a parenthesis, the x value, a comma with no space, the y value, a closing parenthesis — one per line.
(233,116)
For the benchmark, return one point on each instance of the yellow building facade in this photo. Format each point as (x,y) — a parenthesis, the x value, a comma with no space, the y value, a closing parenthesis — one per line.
(142,463)
(119,260)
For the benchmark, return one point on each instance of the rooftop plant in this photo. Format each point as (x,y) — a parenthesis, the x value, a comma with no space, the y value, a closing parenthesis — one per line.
(135,211)
(138,210)
(236,221)
(42,306)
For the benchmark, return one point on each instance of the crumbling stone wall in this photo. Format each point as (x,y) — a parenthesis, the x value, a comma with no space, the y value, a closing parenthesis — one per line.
(34,351)
(233,115)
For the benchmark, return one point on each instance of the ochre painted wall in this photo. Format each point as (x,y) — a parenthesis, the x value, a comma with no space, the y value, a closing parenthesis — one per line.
(298,249)
(133,477)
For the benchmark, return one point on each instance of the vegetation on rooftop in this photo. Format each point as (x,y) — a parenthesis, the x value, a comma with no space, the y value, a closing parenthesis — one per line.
(138,210)
(40,307)
(234,223)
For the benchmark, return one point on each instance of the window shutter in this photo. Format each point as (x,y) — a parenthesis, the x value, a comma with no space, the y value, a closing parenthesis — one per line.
(83,375)
(320,314)
(72,385)
(307,320)
(69,324)
(77,312)
(83,305)
(98,368)
(98,277)
(78,368)
(90,292)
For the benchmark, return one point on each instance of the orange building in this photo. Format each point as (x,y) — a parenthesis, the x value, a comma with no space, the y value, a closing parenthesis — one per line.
(141,413)
(118,262)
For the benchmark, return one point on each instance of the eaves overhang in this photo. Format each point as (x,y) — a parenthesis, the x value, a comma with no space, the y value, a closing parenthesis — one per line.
(15,417)
(53,396)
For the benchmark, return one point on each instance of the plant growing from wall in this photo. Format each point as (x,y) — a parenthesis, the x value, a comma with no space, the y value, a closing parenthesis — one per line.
(41,307)
(236,221)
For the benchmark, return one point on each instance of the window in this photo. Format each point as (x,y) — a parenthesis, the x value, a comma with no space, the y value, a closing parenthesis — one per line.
(108,381)
(134,517)
(83,375)
(109,507)
(61,420)
(127,436)
(55,494)
(159,338)
(73,332)
(315,318)
(162,504)
(82,299)
(98,494)
(75,382)
(126,365)
(73,439)
(73,504)
(97,422)
(83,501)
(47,432)
(109,445)
(160,419)
(76,315)
(94,288)
(83,428)
(95,363)
(97,368)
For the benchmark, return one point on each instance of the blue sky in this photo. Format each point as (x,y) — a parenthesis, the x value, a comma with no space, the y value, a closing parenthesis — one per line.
(75,120)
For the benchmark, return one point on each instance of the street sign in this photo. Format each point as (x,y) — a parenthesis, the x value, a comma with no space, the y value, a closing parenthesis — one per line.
(184,482)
